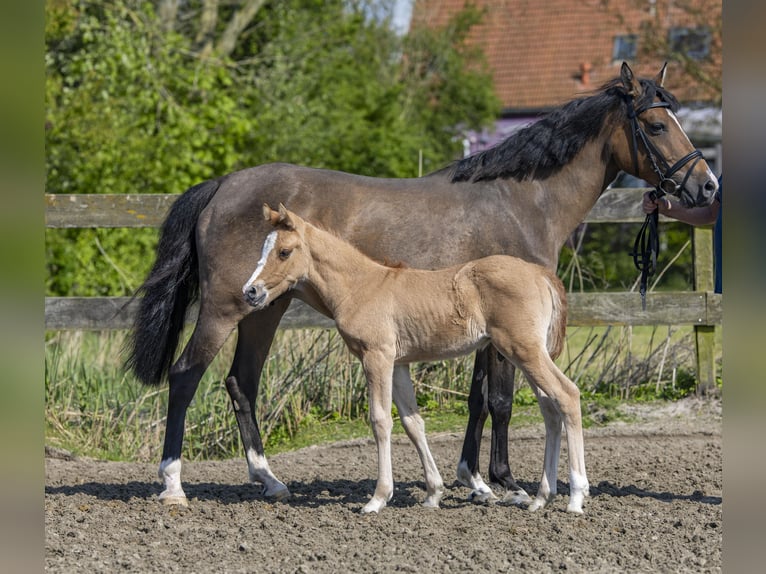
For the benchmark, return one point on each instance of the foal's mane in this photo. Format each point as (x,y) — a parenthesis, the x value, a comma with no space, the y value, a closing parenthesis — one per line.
(543,148)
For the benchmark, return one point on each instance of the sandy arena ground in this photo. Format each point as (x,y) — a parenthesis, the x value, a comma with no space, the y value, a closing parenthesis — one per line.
(655,506)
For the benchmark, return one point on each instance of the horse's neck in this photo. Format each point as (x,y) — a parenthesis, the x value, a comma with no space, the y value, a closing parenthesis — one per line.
(569,195)
(338,269)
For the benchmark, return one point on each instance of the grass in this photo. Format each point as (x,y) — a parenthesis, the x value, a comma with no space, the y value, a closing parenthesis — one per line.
(312,391)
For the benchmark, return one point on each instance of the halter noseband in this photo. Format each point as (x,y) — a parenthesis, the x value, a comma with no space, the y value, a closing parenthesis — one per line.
(647,244)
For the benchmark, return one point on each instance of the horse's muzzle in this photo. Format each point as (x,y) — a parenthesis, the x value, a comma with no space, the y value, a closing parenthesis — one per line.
(256,296)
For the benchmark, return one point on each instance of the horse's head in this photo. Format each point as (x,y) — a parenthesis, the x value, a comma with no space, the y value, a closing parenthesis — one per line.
(284,261)
(653,146)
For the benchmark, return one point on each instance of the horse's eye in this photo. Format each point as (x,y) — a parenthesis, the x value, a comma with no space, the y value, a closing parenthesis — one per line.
(285,253)
(657,128)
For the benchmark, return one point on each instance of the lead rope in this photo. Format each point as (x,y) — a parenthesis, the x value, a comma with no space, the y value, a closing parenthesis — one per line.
(647,247)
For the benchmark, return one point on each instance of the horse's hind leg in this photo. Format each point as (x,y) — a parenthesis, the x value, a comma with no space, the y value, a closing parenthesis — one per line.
(500,379)
(406,404)
(491,393)
(256,333)
(209,335)
(468,468)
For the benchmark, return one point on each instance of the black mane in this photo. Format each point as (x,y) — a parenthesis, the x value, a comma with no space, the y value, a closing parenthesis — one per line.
(540,150)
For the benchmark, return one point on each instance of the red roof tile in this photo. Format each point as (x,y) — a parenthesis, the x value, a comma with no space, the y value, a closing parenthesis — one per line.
(539,49)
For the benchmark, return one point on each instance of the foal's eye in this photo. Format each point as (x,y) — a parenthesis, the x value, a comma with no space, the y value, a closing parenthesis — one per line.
(657,128)
(285,253)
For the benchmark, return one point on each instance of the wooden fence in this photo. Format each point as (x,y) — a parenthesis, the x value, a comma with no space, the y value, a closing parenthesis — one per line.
(701,308)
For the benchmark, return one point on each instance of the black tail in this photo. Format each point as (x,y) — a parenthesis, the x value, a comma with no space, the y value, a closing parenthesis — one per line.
(172,285)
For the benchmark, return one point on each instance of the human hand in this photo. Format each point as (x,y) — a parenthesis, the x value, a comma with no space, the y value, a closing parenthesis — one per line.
(649,203)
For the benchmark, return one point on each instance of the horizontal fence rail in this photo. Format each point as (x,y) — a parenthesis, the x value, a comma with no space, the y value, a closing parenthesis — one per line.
(665,308)
(700,308)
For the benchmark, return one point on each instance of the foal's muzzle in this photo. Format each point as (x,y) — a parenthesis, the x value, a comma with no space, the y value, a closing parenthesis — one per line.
(256,295)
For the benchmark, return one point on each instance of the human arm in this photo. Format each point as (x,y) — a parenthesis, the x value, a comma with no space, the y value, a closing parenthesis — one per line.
(671,208)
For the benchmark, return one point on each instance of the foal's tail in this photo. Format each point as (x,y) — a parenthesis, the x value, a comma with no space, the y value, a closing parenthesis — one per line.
(558,324)
(172,285)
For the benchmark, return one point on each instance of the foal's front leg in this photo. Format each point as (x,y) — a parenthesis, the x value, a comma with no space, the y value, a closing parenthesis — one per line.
(378,369)
(406,404)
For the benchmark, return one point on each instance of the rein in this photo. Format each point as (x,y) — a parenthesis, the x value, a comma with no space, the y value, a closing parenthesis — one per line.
(647,244)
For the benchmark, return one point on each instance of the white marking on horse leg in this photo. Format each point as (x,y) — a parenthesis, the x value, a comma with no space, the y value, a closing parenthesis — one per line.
(406,404)
(480,492)
(170,473)
(260,471)
(578,490)
(268,246)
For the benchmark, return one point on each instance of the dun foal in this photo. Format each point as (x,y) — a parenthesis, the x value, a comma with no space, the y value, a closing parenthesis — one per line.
(390,317)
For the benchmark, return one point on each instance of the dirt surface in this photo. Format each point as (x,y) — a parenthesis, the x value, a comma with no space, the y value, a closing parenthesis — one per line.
(655,506)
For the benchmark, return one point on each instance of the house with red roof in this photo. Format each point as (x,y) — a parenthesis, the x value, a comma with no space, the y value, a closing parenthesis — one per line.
(543,53)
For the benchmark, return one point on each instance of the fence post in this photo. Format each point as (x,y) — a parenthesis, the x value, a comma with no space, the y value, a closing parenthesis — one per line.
(704,335)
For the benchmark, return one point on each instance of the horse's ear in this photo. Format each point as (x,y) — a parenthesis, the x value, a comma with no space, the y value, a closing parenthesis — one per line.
(660,79)
(629,81)
(285,218)
(270,215)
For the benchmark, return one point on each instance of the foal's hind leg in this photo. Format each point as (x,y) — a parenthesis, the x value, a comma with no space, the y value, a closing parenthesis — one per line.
(209,335)
(256,333)
(560,395)
(552,417)
(406,404)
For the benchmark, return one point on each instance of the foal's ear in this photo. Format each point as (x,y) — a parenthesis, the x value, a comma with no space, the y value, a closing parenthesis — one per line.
(660,79)
(270,215)
(279,218)
(629,81)
(285,218)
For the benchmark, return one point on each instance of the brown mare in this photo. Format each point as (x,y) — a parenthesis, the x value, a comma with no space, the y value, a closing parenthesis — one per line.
(390,317)
(523,197)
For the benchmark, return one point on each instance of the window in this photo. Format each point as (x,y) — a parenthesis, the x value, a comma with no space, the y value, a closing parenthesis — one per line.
(624,48)
(693,43)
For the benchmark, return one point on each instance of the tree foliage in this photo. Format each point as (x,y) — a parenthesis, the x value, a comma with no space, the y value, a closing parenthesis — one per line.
(153,97)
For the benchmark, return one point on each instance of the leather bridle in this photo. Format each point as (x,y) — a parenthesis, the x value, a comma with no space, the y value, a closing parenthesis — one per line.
(647,244)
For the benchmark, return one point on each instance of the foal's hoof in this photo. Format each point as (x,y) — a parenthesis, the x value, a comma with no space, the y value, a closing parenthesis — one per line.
(174,501)
(517,498)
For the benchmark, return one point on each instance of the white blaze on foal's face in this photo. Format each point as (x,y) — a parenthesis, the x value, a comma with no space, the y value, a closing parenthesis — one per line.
(268,247)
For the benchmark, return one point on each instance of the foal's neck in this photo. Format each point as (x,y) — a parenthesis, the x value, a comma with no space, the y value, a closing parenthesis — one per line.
(338,268)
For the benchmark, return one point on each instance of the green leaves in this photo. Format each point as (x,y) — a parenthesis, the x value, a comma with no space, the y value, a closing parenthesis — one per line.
(136,105)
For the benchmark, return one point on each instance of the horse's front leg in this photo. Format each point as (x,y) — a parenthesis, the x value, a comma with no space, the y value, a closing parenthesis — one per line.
(256,333)
(406,404)
(378,368)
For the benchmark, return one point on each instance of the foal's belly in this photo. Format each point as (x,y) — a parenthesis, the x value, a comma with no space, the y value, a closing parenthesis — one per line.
(437,351)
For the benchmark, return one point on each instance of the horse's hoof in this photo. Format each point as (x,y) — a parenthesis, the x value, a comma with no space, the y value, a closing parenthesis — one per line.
(482,497)
(277,495)
(174,501)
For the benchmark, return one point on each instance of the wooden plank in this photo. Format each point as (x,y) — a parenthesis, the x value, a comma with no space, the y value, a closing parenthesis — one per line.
(114,313)
(663,308)
(105,210)
(149,210)
(679,308)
